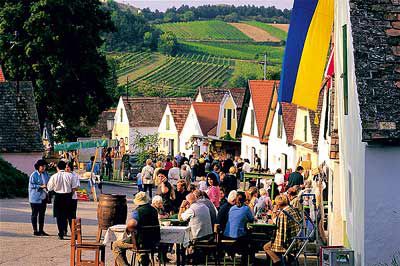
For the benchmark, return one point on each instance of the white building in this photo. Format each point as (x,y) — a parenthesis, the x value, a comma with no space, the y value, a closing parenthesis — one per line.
(139,115)
(258,115)
(366,203)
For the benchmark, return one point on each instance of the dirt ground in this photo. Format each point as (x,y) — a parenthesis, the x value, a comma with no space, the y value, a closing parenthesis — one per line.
(257,34)
(284,27)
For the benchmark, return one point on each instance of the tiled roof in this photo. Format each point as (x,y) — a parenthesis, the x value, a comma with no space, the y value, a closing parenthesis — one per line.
(216,95)
(148,111)
(289,113)
(19,122)
(100,129)
(179,113)
(375,29)
(2,78)
(262,92)
(207,114)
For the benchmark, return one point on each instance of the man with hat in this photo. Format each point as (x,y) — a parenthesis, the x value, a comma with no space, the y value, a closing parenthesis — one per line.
(146,216)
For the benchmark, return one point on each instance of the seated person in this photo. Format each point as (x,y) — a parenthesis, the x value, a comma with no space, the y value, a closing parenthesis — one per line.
(229,181)
(222,217)
(253,193)
(166,191)
(180,194)
(157,203)
(146,216)
(213,191)
(236,227)
(120,247)
(239,216)
(264,203)
(202,197)
(287,229)
(198,216)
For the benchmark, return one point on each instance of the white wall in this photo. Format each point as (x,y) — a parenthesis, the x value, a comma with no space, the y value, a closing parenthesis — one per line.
(191,128)
(162,128)
(352,150)
(323,144)
(382,203)
(278,146)
(249,142)
(22,161)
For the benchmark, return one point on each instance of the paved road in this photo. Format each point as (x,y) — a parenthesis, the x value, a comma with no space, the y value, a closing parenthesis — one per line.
(19,247)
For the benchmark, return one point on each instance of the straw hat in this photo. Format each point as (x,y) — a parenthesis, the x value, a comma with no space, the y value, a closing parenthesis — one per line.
(140,198)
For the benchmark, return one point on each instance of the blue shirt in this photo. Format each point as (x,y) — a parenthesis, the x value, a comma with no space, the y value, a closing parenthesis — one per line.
(237,220)
(36,193)
(96,169)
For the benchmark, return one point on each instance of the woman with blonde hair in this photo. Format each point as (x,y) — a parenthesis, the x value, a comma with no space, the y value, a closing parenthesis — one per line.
(156,180)
(147,177)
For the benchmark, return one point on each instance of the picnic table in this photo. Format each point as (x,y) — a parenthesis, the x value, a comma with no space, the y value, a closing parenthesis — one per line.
(179,235)
(259,176)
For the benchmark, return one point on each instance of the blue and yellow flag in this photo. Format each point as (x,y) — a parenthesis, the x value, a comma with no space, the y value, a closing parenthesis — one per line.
(306,51)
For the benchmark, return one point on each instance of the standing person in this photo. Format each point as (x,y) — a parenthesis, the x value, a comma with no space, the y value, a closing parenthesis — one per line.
(296,178)
(213,191)
(257,162)
(166,191)
(180,193)
(74,203)
(62,184)
(279,179)
(139,181)
(158,167)
(194,164)
(178,158)
(168,164)
(184,159)
(227,164)
(38,196)
(108,161)
(229,182)
(147,177)
(96,171)
(174,174)
(186,174)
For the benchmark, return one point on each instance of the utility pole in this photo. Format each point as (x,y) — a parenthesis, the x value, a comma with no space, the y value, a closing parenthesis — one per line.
(264,63)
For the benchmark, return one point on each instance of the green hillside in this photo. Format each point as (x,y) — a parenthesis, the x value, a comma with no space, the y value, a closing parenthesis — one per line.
(280,34)
(204,30)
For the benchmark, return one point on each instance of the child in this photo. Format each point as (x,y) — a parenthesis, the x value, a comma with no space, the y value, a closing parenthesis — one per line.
(264,202)
(202,184)
(139,182)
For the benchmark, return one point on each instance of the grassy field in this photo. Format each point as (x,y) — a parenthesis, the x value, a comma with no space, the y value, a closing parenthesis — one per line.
(204,30)
(235,50)
(274,31)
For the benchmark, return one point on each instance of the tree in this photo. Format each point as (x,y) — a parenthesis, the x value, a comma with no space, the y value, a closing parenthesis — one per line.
(188,16)
(146,147)
(57,48)
(168,43)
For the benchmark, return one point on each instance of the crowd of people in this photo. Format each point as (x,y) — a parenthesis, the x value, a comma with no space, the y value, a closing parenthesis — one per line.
(205,192)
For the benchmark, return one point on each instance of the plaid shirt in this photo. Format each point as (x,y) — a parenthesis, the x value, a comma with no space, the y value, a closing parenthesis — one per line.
(286,230)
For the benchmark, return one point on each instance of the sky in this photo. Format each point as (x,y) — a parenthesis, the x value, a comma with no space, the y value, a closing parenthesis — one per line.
(162,5)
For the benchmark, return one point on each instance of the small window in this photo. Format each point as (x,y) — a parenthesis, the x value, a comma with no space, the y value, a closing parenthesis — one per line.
(280,126)
(252,122)
(121,115)
(167,125)
(229,119)
(305,128)
(234,114)
(224,113)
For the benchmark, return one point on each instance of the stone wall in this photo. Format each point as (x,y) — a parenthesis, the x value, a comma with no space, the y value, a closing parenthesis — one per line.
(376,36)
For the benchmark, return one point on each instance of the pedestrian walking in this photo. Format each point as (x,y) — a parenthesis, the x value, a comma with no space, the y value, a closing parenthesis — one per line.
(147,177)
(62,183)
(38,196)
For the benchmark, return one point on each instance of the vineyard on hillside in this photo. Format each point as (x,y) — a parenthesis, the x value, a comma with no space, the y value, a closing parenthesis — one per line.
(275,31)
(204,30)
(178,76)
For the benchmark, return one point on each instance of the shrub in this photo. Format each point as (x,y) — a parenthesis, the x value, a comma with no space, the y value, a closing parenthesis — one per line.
(13,183)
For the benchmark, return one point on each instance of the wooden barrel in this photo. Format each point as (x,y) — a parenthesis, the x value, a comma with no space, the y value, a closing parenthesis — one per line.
(111,210)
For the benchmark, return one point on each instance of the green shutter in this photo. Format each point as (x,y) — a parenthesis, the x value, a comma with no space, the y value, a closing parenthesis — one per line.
(252,122)
(345,76)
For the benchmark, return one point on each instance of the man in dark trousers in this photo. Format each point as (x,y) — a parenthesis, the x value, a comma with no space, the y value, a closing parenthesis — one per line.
(296,178)
(63,185)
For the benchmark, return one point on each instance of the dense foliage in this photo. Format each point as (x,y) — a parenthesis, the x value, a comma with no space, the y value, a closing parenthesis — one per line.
(13,183)
(132,33)
(227,13)
(57,48)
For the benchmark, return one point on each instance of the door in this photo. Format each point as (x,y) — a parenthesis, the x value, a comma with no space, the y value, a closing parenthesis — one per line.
(283,160)
(171,147)
(229,119)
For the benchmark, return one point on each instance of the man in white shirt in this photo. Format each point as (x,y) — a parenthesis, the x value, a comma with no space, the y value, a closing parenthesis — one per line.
(198,216)
(63,185)
(75,181)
